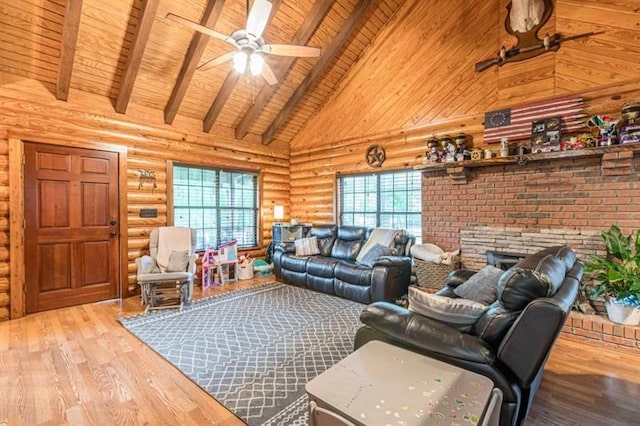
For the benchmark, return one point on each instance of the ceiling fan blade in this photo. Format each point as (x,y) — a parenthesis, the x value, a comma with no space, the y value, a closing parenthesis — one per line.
(211,63)
(201,28)
(258,17)
(268,75)
(292,50)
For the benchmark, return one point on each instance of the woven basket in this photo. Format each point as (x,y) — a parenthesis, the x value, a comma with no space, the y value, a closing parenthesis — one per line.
(432,275)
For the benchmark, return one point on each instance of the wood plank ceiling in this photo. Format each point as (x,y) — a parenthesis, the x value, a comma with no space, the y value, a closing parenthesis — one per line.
(129,52)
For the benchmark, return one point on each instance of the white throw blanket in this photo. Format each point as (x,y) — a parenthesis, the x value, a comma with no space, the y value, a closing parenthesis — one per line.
(172,238)
(433,253)
(383,236)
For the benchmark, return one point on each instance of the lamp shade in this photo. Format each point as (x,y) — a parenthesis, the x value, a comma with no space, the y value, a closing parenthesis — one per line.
(278,212)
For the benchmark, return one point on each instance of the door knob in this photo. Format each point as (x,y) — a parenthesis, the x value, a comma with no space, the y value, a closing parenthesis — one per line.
(113,233)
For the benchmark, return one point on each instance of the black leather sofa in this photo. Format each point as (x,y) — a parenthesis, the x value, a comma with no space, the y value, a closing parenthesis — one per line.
(335,270)
(511,341)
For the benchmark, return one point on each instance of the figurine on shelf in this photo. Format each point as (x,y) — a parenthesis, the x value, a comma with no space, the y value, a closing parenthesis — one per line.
(462,152)
(433,155)
(449,148)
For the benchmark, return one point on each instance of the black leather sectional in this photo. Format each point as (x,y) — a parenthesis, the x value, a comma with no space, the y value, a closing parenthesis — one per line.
(335,270)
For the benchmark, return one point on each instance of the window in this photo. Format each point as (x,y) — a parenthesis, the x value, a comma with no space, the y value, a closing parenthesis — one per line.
(387,200)
(221,205)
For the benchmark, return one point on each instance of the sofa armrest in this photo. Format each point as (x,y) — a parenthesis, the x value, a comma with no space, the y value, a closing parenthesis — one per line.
(191,267)
(392,261)
(390,278)
(285,248)
(409,328)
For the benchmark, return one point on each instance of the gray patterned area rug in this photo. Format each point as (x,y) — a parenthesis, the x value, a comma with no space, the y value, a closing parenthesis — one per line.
(254,350)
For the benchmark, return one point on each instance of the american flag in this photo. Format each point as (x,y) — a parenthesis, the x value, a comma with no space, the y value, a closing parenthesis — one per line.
(515,123)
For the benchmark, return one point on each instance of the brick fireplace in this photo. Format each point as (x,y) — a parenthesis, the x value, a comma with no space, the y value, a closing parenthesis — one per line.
(523,208)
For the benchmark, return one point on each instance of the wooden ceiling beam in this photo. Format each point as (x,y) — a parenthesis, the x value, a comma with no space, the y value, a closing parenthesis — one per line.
(70,27)
(301,37)
(145,22)
(229,84)
(318,69)
(192,59)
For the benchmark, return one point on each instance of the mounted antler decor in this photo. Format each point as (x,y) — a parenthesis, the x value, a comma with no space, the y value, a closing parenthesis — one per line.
(524,19)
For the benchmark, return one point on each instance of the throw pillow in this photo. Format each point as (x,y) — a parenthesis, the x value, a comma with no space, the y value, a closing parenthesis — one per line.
(148,265)
(374,254)
(460,314)
(481,287)
(307,246)
(178,261)
(382,236)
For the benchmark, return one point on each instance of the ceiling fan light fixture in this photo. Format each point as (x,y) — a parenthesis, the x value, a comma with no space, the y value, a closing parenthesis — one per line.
(256,62)
(240,59)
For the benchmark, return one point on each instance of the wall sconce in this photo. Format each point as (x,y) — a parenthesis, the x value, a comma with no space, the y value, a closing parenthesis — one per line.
(278,213)
(147,176)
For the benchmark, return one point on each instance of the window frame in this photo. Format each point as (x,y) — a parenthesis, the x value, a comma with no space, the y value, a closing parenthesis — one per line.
(213,166)
(339,190)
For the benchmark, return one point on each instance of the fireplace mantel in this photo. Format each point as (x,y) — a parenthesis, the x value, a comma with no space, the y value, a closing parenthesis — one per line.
(609,153)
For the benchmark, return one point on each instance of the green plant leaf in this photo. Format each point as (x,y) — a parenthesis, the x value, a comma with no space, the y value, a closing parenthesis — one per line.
(617,244)
(618,274)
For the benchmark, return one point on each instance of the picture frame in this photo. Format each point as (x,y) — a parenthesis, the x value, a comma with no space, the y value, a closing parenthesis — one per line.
(546,134)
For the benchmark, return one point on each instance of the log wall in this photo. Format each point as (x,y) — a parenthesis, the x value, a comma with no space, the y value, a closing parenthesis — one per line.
(417,80)
(27,108)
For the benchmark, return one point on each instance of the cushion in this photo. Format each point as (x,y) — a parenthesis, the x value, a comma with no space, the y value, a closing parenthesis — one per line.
(460,314)
(374,253)
(522,285)
(481,287)
(148,265)
(380,236)
(178,261)
(307,246)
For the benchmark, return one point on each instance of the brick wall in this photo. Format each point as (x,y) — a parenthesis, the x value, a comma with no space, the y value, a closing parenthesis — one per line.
(599,330)
(579,196)
(587,193)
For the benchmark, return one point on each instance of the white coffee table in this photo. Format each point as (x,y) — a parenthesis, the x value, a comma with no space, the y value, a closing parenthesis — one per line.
(381,384)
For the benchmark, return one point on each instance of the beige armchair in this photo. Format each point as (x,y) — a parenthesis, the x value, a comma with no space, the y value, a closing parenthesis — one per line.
(169,269)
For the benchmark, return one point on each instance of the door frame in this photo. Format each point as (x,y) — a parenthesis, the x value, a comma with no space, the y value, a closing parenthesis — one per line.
(17,253)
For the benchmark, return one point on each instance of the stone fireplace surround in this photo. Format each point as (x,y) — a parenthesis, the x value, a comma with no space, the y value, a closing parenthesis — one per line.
(524,208)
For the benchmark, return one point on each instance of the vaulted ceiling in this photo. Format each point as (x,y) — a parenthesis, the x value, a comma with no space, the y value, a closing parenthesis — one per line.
(129,52)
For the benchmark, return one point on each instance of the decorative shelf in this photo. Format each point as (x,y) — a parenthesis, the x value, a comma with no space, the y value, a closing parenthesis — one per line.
(617,160)
(526,158)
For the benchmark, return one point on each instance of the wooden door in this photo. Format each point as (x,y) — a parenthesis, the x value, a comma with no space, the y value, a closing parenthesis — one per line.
(71,228)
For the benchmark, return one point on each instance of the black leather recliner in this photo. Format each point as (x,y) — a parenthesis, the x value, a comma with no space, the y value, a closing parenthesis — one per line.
(335,270)
(511,341)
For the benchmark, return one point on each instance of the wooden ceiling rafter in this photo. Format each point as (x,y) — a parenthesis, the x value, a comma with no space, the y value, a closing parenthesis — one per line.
(145,22)
(318,69)
(70,27)
(229,84)
(192,59)
(302,37)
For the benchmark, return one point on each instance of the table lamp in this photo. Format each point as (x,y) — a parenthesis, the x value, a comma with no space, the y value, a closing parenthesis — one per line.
(278,213)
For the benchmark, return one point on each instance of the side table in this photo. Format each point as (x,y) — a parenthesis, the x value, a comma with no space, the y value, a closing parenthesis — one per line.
(383,384)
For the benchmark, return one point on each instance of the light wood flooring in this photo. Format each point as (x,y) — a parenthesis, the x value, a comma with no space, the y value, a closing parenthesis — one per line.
(80,366)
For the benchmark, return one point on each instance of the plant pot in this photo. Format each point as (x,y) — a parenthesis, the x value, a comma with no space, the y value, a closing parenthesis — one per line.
(622,314)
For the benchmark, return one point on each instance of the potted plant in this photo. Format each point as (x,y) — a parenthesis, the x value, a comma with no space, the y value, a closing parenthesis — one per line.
(616,276)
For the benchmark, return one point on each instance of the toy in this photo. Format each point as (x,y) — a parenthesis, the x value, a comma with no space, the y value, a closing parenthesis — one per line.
(209,275)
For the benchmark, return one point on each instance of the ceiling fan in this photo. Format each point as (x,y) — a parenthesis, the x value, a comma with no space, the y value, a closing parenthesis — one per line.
(249,44)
